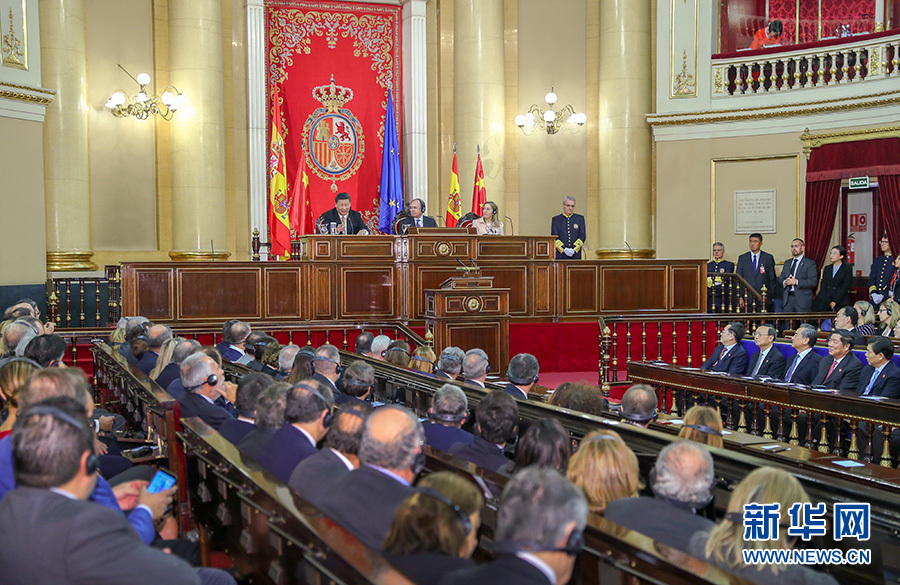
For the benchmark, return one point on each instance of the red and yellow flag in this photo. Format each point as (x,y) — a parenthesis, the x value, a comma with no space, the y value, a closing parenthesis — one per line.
(279,224)
(479,195)
(454,204)
(301,213)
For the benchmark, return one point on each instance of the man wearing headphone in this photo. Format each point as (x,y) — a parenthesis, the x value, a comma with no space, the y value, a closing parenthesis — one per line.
(416,217)
(448,412)
(497,417)
(522,375)
(682,482)
(307,416)
(204,382)
(639,405)
(328,367)
(540,528)
(475,367)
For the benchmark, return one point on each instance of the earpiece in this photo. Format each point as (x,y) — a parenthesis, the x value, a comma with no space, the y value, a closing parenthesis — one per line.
(450,418)
(337,369)
(418,463)
(212,380)
(573,547)
(640,418)
(92,464)
(329,416)
(705,430)
(457,511)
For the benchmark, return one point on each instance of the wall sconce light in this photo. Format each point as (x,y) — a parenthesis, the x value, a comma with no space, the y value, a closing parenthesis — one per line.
(551,120)
(143,105)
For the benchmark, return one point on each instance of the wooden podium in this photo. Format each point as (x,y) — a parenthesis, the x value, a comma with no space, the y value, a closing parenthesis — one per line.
(468,312)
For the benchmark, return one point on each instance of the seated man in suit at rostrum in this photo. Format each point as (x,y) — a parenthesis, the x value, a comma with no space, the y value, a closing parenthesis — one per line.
(805,365)
(768,362)
(729,356)
(448,412)
(682,482)
(416,217)
(391,456)
(312,478)
(539,533)
(204,383)
(341,219)
(359,378)
(234,336)
(50,533)
(522,375)
(847,318)
(449,363)
(308,413)
(841,369)
(249,388)
(496,422)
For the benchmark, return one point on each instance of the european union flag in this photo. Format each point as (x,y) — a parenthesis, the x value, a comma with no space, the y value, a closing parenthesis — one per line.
(391,177)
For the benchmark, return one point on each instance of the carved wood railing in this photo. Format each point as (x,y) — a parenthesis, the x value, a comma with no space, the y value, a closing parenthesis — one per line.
(85,301)
(727,292)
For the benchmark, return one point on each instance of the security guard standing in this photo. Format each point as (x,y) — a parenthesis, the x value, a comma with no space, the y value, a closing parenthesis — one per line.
(568,227)
(881,274)
(716,283)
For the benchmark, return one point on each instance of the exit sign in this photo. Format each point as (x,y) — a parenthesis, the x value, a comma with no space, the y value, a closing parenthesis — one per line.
(859,182)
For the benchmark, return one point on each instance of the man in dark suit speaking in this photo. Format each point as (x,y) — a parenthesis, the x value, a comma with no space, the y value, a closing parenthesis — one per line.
(416,217)
(346,221)
(758,269)
(799,278)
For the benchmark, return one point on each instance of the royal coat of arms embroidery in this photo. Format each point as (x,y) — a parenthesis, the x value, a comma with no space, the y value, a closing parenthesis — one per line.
(332,136)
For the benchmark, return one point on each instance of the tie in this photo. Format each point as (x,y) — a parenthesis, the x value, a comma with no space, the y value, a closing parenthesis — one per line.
(871,383)
(758,364)
(755,263)
(794,272)
(418,222)
(831,369)
(344,224)
(793,367)
(721,356)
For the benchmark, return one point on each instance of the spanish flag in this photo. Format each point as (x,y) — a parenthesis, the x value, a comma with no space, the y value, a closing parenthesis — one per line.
(279,224)
(454,204)
(479,195)
(301,213)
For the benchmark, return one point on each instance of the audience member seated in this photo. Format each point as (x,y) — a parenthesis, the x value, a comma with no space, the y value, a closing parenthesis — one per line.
(729,356)
(522,375)
(134,327)
(286,358)
(639,405)
(312,478)
(723,545)
(397,354)
(545,444)
(14,376)
(328,364)
(880,377)
(888,317)
(435,530)
(475,367)
(249,388)
(269,418)
(605,469)
(496,419)
(422,360)
(579,397)
(768,362)
(165,357)
(391,456)
(448,412)
(359,378)
(682,482)
(17,333)
(172,371)
(805,365)
(156,337)
(48,516)
(308,413)
(254,346)
(267,354)
(304,365)
(379,346)
(137,348)
(703,425)
(234,336)
(449,364)
(539,533)
(363,344)
(204,383)
(847,318)
(47,350)
(866,318)
(841,369)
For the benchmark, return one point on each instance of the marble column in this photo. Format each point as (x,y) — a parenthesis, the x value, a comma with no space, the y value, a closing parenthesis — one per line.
(479,112)
(624,135)
(66,171)
(197,143)
(256,116)
(415,101)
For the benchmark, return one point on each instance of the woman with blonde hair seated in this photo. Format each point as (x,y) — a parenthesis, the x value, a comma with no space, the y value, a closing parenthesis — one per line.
(165,356)
(422,360)
(435,530)
(605,469)
(14,375)
(702,425)
(487,223)
(888,317)
(724,544)
(866,323)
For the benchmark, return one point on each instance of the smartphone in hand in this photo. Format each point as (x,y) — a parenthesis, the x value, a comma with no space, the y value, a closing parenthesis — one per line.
(161,482)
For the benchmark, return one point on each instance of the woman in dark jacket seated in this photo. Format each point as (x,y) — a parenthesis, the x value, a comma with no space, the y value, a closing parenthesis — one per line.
(834,290)
(435,530)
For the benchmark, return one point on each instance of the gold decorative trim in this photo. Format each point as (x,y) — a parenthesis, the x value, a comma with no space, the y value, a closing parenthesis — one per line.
(683,84)
(24,97)
(49,92)
(811,141)
(684,81)
(59,261)
(198,256)
(625,254)
(15,51)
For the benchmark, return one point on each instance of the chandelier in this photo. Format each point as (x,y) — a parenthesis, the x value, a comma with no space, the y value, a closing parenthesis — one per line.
(551,120)
(144,105)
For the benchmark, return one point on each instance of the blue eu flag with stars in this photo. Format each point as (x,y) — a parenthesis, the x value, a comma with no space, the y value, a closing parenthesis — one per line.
(391,177)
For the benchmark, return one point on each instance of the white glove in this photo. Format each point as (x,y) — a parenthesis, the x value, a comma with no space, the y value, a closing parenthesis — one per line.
(569,252)
(877,298)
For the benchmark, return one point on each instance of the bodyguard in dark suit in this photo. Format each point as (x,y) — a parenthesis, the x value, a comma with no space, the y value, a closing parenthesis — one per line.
(347,221)
(570,232)
(798,279)
(834,291)
(496,418)
(729,356)
(416,217)
(880,377)
(768,361)
(716,284)
(758,269)
(841,369)
(805,365)
(203,384)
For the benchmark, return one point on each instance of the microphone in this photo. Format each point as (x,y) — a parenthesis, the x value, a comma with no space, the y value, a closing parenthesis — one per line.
(630,248)
(212,247)
(511,225)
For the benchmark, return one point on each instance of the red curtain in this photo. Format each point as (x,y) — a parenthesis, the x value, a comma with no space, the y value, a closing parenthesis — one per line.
(821,211)
(889,198)
(786,12)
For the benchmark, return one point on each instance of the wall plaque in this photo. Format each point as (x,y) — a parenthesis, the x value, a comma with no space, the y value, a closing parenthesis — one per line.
(754,211)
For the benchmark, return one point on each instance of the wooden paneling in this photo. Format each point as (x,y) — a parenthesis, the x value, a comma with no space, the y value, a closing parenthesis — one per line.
(516,280)
(283,293)
(502,248)
(368,248)
(484,334)
(543,293)
(154,294)
(579,288)
(368,292)
(629,288)
(431,248)
(203,292)
(323,293)
(686,287)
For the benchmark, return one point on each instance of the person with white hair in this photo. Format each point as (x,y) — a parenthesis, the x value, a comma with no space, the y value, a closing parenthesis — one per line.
(379,346)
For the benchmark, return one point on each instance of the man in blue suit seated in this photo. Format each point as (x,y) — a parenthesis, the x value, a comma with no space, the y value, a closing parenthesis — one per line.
(448,412)
(359,379)
(307,416)
(768,362)
(204,382)
(156,337)
(729,356)
(248,390)
(522,375)
(805,365)
(881,377)
(497,417)
(234,336)
(841,369)
(416,217)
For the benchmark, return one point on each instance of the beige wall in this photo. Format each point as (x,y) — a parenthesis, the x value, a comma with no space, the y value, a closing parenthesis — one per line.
(696,176)
(22,257)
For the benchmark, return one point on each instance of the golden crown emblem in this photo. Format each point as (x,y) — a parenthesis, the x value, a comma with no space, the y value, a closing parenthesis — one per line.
(332,96)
